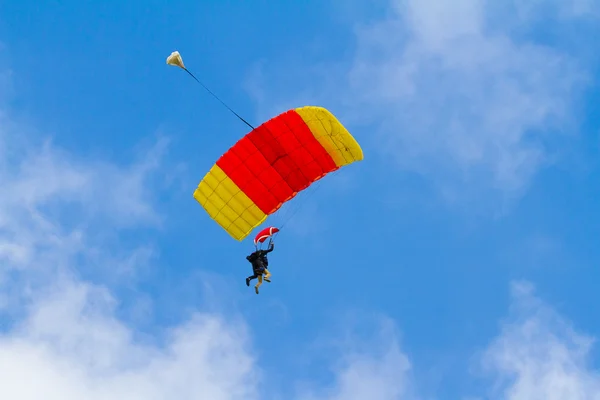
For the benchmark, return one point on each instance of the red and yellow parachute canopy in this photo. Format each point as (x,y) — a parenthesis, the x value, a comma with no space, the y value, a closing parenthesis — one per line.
(271,164)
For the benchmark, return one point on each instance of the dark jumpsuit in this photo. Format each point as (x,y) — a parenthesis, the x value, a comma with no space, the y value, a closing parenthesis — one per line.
(259,262)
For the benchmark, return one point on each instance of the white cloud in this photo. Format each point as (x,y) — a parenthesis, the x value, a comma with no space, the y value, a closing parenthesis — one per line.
(539,355)
(456,98)
(371,367)
(71,347)
(53,205)
(454,90)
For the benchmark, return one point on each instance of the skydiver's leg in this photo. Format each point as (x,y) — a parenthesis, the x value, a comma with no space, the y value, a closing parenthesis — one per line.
(267,276)
(260,279)
(248,279)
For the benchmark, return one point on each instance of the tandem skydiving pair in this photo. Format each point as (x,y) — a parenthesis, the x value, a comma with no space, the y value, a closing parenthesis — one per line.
(260,262)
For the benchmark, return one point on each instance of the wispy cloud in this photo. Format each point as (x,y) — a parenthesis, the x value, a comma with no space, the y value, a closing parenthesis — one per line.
(539,355)
(52,203)
(469,93)
(365,366)
(72,347)
(58,210)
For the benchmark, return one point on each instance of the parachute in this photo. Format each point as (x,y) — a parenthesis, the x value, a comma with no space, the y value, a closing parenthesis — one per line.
(271,164)
(265,234)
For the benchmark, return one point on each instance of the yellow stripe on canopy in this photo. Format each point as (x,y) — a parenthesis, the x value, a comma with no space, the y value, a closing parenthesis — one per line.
(332,135)
(227,204)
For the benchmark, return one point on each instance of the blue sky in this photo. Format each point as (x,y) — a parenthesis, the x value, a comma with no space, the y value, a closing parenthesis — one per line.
(457,261)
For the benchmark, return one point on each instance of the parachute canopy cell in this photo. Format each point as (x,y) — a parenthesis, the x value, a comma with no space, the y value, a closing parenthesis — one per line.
(265,234)
(271,164)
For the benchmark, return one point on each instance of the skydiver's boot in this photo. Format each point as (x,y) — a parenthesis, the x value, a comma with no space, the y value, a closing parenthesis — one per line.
(267,276)
(247,281)
(256,289)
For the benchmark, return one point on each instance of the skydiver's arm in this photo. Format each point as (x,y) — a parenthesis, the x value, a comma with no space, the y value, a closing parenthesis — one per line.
(271,247)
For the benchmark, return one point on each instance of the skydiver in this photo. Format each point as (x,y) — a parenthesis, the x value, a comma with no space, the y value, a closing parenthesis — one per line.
(260,262)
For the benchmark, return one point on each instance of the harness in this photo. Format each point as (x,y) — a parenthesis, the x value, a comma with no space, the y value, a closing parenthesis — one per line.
(258,264)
